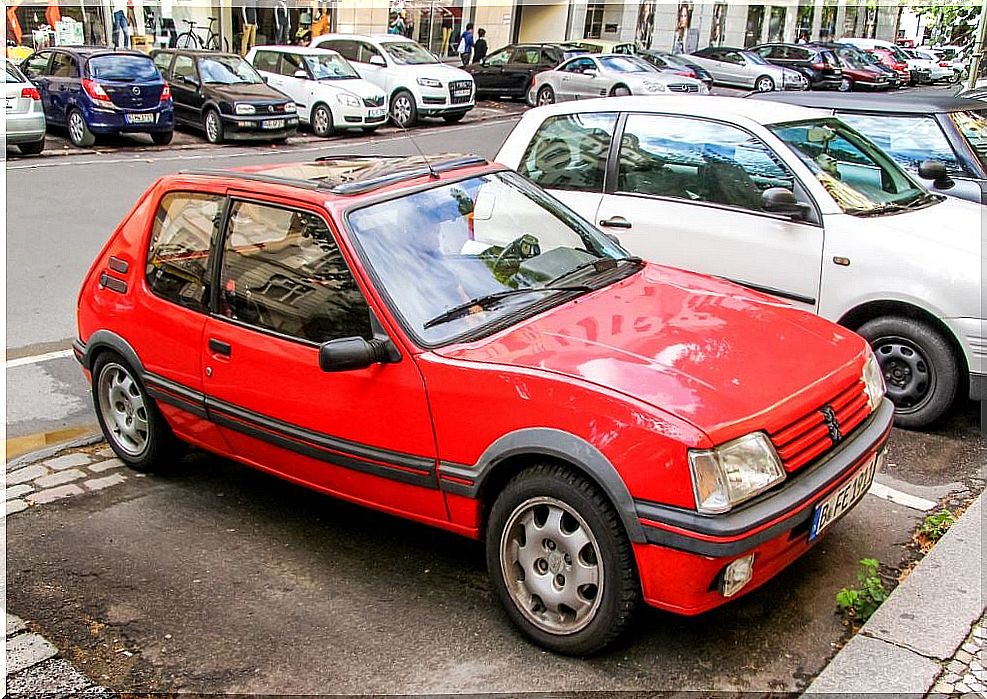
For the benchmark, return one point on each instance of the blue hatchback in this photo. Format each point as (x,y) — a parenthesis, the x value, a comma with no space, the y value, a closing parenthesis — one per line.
(94,91)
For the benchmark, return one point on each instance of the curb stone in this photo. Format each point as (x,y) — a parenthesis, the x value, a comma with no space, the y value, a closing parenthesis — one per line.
(34,456)
(915,634)
(34,667)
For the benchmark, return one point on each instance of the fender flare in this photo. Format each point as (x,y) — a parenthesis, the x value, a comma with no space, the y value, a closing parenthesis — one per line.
(107,339)
(559,445)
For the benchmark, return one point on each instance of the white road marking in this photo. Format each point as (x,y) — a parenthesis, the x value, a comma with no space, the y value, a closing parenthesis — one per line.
(900,498)
(38,358)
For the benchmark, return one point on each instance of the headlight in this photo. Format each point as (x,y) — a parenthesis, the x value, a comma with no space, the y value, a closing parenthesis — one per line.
(429,82)
(873,381)
(290,107)
(655,87)
(245,109)
(349,100)
(734,472)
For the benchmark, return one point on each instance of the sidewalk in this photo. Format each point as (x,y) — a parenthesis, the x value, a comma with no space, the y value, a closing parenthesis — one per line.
(929,635)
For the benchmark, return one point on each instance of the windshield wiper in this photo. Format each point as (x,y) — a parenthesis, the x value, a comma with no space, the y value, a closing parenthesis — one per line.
(886,208)
(490,299)
(602,264)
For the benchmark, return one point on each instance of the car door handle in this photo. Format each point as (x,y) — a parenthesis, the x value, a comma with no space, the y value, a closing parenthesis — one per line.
(219,347)
(616,222)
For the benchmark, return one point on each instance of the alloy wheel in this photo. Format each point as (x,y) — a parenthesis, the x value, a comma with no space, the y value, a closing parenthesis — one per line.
(123,407)
(401,109)
(545,96)
(320,123)
(909,376)
(551,564)
(212,127)
(845,85)
(765,85)
(77,128)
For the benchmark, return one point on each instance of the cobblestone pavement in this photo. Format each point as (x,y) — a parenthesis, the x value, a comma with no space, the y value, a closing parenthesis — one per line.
(35,669)
(966,673)
(70,472)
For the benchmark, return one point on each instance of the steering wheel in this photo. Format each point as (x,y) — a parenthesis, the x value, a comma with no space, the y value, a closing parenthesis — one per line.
(509,260)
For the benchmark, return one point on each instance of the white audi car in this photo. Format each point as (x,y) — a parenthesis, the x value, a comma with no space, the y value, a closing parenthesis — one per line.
(607,75)
(788,201)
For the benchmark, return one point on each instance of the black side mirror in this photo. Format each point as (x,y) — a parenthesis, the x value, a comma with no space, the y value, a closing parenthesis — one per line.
(935,171)
(350,353)
(779,200)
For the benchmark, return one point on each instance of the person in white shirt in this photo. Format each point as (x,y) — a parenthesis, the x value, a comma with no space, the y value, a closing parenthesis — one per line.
(120,26)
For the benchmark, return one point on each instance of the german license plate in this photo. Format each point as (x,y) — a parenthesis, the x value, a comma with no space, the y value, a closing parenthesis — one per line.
(376,112)
(272,124)
(139,118)
(461,93)
(830,509)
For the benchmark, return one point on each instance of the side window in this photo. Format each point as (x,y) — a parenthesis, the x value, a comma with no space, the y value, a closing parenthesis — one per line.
(290,63)
(283,271)
(367,51)
(697,160)
(799,54)
(63,66)
(266,61)
(550,58)
(37,65)
(499,58)
(162,61)
(733,57)
(178,254)
(909,140)
(184,67)
(579,65)
(570,152)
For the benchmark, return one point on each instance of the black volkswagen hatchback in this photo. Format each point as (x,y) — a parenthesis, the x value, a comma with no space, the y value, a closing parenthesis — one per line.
(224,96)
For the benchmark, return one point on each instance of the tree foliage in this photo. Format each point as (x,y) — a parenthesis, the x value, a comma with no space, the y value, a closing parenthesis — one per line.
(951,21)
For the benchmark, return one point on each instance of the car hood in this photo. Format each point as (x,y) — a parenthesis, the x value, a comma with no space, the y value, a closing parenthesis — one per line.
(715,354)
(243,92)
(359,87)
(437,71)
(953,224)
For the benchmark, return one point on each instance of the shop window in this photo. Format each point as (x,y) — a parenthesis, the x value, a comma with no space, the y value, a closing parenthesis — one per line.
(178,254)
(593,26)
(755,22)
(776,24)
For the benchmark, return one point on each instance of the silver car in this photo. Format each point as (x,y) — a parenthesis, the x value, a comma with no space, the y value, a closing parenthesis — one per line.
(25,117)
(606,75)
(739,68)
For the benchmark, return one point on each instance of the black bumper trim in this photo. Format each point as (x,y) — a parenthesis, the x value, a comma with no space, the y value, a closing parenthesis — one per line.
(978,386)
(792,502)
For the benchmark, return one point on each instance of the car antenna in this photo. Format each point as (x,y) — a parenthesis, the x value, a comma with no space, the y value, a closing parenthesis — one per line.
(431,171)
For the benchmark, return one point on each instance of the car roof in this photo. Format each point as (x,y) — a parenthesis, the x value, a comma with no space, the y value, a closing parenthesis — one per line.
(90,51)
(348,175)
(303,50)
(373,37)
(688,105)
(907,104)
(198,53)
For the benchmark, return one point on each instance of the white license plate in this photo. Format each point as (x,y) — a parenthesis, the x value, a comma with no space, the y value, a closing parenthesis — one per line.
(376,112)
(272,124)
(830,509)
(139,118)
(461,93)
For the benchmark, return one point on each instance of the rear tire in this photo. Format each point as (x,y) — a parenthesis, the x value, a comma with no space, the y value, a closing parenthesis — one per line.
(162,138)
(79,133)
(546,95)
(130,420)
(552,534)
(920,368)
(31,148)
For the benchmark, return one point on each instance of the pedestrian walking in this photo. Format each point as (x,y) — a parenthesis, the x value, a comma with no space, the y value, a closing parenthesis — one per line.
(465,47)
(249,26)
(121,30)
(480,47)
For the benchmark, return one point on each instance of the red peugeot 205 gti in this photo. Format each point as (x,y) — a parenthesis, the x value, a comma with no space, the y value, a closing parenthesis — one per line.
(448,343)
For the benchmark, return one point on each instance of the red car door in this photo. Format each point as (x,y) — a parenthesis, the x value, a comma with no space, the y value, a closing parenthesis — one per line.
(363,434)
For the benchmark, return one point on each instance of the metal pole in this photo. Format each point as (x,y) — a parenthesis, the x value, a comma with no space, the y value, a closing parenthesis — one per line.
(979,51)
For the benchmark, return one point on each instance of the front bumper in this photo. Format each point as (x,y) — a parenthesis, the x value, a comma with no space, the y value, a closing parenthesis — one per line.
(686,552)
(972,334)
(361,116)
(250,128)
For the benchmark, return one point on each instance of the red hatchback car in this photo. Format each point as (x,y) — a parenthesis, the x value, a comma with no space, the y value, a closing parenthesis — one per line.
(452,345)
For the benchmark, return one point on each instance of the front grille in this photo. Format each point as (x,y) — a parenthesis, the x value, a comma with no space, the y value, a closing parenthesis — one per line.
(459,85)
(810,436)
(373,101)
(683,87)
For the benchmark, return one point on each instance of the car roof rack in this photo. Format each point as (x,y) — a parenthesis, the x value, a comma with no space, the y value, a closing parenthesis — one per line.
(348,175)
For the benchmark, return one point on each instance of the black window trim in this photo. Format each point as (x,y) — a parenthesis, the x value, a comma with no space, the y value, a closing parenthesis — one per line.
(47,53)
(219,250)
(613,162)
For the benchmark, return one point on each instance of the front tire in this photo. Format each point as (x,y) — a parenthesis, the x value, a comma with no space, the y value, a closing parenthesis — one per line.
(546,95)
(404,112)
(846,85)
(213,126)
(162,138)
(322,125)
(130,420)
(79,132)
(560,561)
(764,84)
(920,368)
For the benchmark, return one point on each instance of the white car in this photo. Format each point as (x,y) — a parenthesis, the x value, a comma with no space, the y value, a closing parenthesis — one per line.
(24,125)
(606,75)
(416,82)
(330,94)
(929,62)
(788,201)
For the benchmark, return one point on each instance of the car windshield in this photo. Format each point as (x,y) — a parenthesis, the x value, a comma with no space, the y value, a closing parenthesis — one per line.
(973,126)
(860,177)
(13,75)
(228,70)
(330,67)
(625,64)
(408,53)
(453,246)
(123,68)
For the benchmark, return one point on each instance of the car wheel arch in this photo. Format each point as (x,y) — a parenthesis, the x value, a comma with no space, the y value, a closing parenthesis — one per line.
(108,341)
(516,451)
(857,316)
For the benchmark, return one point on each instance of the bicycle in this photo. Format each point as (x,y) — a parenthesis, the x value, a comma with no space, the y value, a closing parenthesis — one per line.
(190,40)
